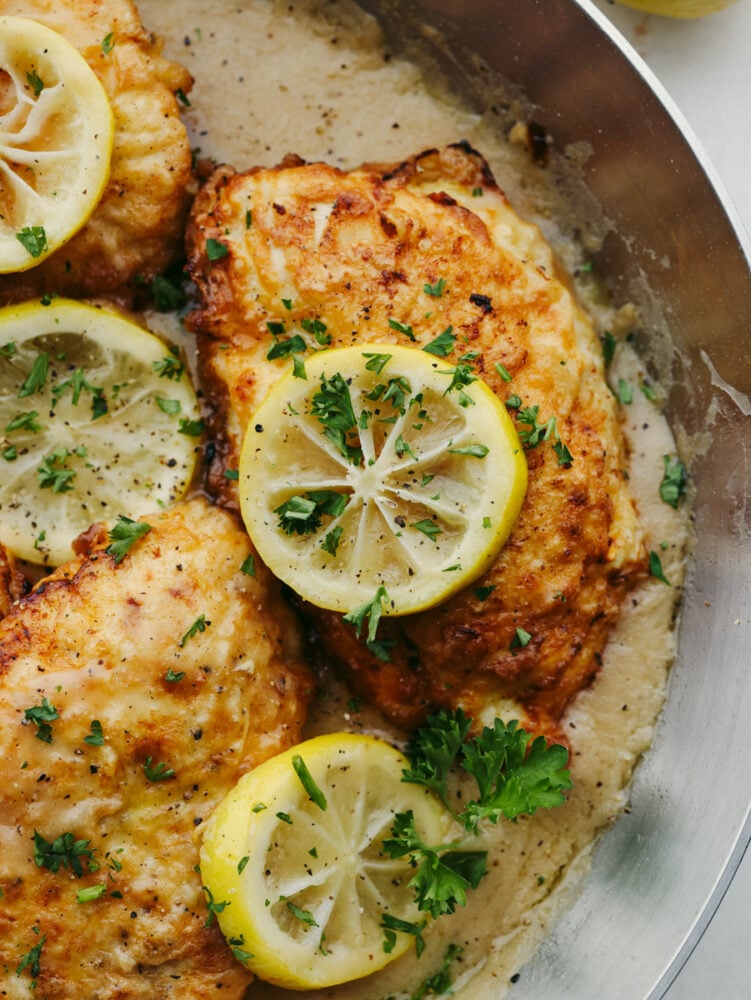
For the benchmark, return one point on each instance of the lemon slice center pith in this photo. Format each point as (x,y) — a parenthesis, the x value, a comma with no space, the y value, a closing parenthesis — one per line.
(377,474)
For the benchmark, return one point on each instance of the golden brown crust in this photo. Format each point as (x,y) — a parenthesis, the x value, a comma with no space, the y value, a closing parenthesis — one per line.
(97,639)
(12,581)
(356,251)
(136,230)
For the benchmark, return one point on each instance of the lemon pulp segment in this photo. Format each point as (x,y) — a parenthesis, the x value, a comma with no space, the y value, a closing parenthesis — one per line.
(416,494)
(91,412)
(56,134)
(306,883)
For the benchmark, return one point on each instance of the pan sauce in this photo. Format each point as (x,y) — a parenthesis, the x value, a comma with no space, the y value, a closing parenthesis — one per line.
(314,79)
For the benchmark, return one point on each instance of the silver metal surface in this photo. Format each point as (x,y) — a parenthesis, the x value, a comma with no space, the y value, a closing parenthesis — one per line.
(677,250)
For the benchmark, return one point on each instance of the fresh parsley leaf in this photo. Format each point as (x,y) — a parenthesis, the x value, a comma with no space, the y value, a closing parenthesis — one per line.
(317,329)
(91,892)
(439,983)
(402,328)
(608,347)
(304,916)
(123,536)
(215,249)
(96,736)
(308,782)
(249,565)
(212,906)
(332,406)
(429,528)
(472,450)
(377,362)
(35,380)
(503,372)
(157,772)
(443,344)
(391,925)
(371,610)
(170,367)
(34,240)
(625,392)
(191,428)
(434,748)
(174,677)
(108,43)
(24,421)
(199,625)
(655,568)
(168,296)
(42,715)
(520,639)
(66,852)
(302,514)
(35,82)
(31,960)
(674,481)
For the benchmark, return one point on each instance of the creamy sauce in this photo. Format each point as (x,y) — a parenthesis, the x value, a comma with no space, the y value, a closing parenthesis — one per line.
(273,78)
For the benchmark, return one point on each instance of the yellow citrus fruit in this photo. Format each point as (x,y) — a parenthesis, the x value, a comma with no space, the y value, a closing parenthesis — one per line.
(380,469)
(679,8)
(294,868)
(97,419)
(56,133)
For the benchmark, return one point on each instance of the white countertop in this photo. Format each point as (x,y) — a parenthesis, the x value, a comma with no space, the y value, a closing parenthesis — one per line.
(705,65)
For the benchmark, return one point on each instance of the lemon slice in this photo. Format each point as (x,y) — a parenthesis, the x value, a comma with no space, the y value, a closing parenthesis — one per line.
(679,8)
(56,134)
(97,419)
(380,471)
(294,868)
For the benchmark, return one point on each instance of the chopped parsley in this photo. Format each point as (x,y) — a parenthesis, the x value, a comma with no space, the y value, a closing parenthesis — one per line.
(31,960)
(371,611)
(174,677)
(212,906)
(96,736)
(42,715)
(191,428)
(248,566)
(35,380)
(108,43)
(402,328)
(674,481)
(429,528)
(123,536)
(308,782)
(443,344)
(436,290)
(655,568)
(157,772)
(332,406)
(515,774)
(302,514)
(608,342)
(215,249)
(34,240)
(64,852)
(392,924)
(24,421)
(199,625)
(168,296)
(472,450)
(520,639)
(35,82)
(170,367)
(91,892)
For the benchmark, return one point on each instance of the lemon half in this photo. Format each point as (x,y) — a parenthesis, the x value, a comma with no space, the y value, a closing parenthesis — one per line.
(377,469)
(97,419)
(300,884)
(56,134)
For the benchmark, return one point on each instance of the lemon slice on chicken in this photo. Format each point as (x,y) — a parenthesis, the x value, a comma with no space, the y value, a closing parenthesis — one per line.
(98,420)
(56,134)
(385,470)
(295,869)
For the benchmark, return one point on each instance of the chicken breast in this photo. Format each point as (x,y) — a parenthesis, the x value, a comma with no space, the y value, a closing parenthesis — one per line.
(136,230)
(398,254)
(132,697)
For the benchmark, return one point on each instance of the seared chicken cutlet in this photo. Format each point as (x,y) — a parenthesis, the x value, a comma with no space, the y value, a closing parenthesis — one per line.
(399,254)
(133,694)
(136,229)
(11,581)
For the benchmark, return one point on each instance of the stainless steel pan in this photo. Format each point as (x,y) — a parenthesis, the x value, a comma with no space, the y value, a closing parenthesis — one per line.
(676,249)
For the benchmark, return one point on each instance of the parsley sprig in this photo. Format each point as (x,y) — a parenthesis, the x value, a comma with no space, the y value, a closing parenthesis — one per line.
(66,852)
(515,773)
(332,405)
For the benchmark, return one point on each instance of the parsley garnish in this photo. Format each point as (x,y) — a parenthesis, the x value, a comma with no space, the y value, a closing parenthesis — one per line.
(168,296)
(608,347)
(31,959)
(305,916)
(36,378)
(212,906)
(91,892)
(440,982)
(330,542)
(173,677)
(191,428)
(520,639)
(625,393)
(53,474)
(655,568)
(24,421)
(308,782)
(302,514)
(674,480)
(158,772)
(473,450)
(436,290)
(377,362)
(515,774)
(248,565)
(199,625)
(124,535)
(108,43)
(503,372)
(34,240)
(169,406)
(443,344)
(461,376)
(96,737)
(428,527)
(392,924)
(402,328)
(317,329)
(41,716)
(371,610)
(66,852)
(216,250)
(532,432)
(170,367)
(35,82)
(332,405)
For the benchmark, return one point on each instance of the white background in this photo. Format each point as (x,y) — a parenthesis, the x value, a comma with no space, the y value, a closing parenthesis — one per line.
(705,65)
